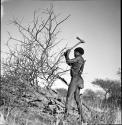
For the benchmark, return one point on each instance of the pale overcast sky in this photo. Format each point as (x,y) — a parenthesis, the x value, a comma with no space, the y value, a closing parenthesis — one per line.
(95,21)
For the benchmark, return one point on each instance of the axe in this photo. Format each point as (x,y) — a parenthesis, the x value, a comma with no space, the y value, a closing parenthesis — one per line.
(81,41)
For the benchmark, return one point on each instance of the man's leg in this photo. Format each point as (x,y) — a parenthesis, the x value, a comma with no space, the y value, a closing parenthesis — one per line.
(70,94)
(78,102)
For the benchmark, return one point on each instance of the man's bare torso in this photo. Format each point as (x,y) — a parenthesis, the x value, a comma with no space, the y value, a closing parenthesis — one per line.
(76,66)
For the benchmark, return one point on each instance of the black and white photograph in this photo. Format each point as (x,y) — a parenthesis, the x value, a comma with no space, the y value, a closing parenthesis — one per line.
(60,62)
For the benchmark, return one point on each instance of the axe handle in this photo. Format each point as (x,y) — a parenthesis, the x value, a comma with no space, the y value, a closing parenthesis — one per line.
(75,45)
(81,41)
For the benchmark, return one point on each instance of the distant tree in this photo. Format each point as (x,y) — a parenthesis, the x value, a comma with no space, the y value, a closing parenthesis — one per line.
(100,94)
(89,94)
(112,88)
(115,95)
(62,92)
(105,84)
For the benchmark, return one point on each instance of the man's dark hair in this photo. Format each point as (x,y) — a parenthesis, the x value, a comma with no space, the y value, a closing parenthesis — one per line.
(80,50)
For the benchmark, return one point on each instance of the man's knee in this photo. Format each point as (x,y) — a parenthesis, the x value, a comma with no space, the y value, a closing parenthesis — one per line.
(77,98)
(70,93)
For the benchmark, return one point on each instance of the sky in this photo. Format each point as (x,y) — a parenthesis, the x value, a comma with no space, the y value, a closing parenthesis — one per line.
(97,22)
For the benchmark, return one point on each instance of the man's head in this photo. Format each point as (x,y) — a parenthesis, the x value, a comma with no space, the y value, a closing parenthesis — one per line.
(78,51)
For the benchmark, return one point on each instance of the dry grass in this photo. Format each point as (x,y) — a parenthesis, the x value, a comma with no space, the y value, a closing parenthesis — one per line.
(34,117)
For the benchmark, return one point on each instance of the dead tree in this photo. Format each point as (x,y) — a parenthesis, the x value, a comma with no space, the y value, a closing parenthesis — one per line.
(35,56)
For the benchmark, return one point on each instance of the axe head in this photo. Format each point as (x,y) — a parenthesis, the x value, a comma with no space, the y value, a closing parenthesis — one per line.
(82,41)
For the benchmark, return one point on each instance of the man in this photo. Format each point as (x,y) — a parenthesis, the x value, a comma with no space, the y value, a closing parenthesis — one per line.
(77,82)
